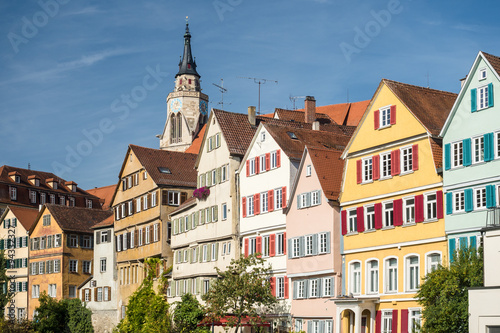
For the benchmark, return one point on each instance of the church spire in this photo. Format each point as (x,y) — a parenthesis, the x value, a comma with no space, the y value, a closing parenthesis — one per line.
(187,65)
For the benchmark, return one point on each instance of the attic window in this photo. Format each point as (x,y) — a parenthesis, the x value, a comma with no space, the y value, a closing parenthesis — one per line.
(17,179)
(165,170)
(482,74)
(292,135)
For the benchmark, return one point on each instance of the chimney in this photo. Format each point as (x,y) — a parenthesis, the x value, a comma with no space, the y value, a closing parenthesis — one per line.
(310,109)
(251,115)
(315,125)
(462,81)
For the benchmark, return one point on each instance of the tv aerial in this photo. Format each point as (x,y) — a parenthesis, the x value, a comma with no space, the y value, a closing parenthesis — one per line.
(259,82)
(222,92)
(294,98)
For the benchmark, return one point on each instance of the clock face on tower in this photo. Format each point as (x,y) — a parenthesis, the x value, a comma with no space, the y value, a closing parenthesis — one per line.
(203,107)
(175,105)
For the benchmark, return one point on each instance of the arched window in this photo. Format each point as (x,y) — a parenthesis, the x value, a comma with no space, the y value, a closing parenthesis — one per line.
(173,129)
(179,127)
(372,277)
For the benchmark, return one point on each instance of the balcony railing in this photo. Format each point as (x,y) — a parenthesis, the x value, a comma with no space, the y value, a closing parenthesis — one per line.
(493,217)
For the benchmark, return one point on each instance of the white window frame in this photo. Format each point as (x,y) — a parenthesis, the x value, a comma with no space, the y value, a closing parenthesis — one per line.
(252,170)
(430,205)
(390,276)
(295,247)
(147,240)
(280,287)
(458,201)
(369,217)
(477,149)
(387,321)
(372,276)
(313,288)
(430,264)
(213,251)
(457,154)
(224,211)
(412,272)
(367,169)
(409,210)
(482,97)
(154,198)
(274,159)
(102,265)
(385,117)
(280,243)
(414,319)
(52,290)
(479,198)
(388,212)
(262,163)
(278,198)
(266,245)
(264,205)
(385,166)
(308,170)
(250,206)
(308,245)
(355,277)
(322,243)
(252,245)
(301,289)
(73,266)
(482,74)
(205,253)
(224,173)
(497,144)
(315,198)
(328,288)
(352,221)
(35,291)
(156,234)
(86,266)
(406,154)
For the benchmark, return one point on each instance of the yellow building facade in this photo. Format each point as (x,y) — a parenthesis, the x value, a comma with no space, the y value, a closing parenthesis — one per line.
(392,208)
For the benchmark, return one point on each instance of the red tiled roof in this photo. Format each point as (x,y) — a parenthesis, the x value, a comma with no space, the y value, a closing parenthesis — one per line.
(431,107)
(437,151)
(294,148)
(76,218)
(329,167)
(106,223)
(493,60)
(344,113)
(104,193)
(298,116)
(196,145)
(180,164)
(26,216)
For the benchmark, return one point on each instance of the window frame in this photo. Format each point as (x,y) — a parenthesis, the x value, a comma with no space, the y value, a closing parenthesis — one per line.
(406,207)
(355,277)
(388,281)
(479,203)
(250,206)
(278,198)
(477,149)
(280,243)
(102,264)
(385,117)
(369,217)
(482,99)
(406,159)
(73,266)
(431,266)
(433,206)
(385,210)
(412,272)
(264,204)
(385,166)
(386,324)
(367,170)
(224,211)
(457,154)
(352,221)
(308,170)
(274,159)
(372,273)
(323,242)
(174,198)
(458,198)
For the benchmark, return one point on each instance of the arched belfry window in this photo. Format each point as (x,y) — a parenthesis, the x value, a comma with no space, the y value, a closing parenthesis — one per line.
(176,128)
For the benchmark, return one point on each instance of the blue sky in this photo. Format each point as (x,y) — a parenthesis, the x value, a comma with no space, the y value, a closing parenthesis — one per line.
(67,66)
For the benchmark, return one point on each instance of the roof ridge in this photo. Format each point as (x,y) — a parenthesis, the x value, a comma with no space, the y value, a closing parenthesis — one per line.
(24,169)
(419,87)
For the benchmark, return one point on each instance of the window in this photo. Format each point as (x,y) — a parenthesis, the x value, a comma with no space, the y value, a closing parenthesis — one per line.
(367,169)
(205,253)
(87,295)
(412,275)
(263,202)
(262,136)
(406,160)
(433,262)
(324,242)
(497,145)
(280,243)
(73,266)
(388,214)
(224,173)
(52,199)
(214,177)
(301,289)
(352,221)
(251,165)
(480,198)
(262,163)
(274,159)
(86,266)
(298,325)
(372,277)
(123,211)
(459,201)
(280,287)
(206,286)
(52,290)
(252,245)
(154,199)
(278,198)
(140,237)
(73,240)
(409,210)
(482,97)
(457,154)
(327,287)
(385,165)
(147,240)
(214,251)
(72,291)
(478,149)
(387,321)
(482,74)
(315,198)
(145,202)
(308,170)
(103,265)
(308,245)
(385,117)
(62,200)
(87,242)
(250,210)
(313,288)
(104,236)
(21,313)
(414,320)
(155,232)
(43,198)
(99,294)
(32,196)
(224,211)
(265,246)
(391,275)
(296,247)
(57,266)
(35,291)
(430,206)
(355,278)
(13,193)
(370,217)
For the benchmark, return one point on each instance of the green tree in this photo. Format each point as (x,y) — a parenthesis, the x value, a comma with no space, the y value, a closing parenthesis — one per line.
(16,326)
(444,292)
(63,316)
(240,291)
(4,280)
(147,311)
(187,314)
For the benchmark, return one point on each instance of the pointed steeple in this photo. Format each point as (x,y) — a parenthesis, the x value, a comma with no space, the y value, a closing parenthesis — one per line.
(187,65)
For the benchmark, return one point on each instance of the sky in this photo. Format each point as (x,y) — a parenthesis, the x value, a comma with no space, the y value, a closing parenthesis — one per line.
(81,80)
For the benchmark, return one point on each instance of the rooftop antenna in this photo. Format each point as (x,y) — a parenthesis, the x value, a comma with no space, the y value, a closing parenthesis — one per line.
(259,82)
(29,166)
(222,91)
(294,98)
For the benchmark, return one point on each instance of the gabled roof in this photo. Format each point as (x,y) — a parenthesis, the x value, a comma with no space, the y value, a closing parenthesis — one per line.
(180,164)
(25,216)
(329,167)
(198,139)
(494,64)
(437,152)
(344,113)
(298,116)
(104,193)
(294,146)
(108,222)
(75,219)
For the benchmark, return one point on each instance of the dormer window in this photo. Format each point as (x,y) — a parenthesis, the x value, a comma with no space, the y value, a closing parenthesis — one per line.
(37,182)
(71,186)
(52,183)
(88,203)
(15,176)
(17,179)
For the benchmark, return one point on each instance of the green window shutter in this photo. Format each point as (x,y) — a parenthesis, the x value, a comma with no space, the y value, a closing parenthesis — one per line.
(202,221)
(209,217)
(447,156)
(14,222)
(449,203)
(217,176)
(210,180)
(473,242)
(216,251)
(467,158)
(189,222)
(196,218)
(198,182)
(473,100)
(218,140)
(203,180)
(490,94)
(489,147)
(197,288)
(200,249)
(216,213)
(176,226)
(490,196)
(209,252)
(190,286)
(172,287)
(2,244)
(469,203)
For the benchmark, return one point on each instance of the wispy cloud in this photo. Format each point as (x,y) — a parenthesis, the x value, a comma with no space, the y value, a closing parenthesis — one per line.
(84,11)
(469,27)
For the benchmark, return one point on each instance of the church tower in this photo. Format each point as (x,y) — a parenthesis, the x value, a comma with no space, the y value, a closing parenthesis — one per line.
(187,106)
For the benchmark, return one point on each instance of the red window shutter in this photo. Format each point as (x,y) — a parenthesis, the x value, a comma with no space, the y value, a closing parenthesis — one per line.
(248,168)
(257,168)
(343,216)
(414,155)
(395,166)
(398,212)
(404,321)
(273,286)
(268,161)
(378,216)
(283,191)
(439,203)
(286,286)
(278,158)
(376,167)
(244,206)
(259,245)
(359,174)
(272,245)
(393,119)
(394,320)
(360,218)
(378,322)
(376,118)
(419,208)
(270,200)
(246,247)
(256,204)
(284,243)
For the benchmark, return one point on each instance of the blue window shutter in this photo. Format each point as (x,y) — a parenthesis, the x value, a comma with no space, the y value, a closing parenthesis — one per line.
(463,242)
(473,242)
(490,196)
(490,94)
(451,247)
(489,147)
(447,156)
(467,158)
(469,204)
(449,203)
(473,100)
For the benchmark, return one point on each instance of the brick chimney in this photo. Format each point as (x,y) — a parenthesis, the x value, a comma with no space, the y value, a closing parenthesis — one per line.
(251,115)
(310,109)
